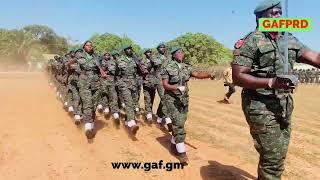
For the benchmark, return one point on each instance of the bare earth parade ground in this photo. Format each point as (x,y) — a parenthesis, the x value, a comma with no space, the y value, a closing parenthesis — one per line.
(38,140)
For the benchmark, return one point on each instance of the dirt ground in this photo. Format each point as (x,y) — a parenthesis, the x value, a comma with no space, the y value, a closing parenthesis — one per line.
(38,140)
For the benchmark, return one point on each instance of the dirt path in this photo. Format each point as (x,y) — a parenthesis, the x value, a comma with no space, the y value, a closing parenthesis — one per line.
(38,140)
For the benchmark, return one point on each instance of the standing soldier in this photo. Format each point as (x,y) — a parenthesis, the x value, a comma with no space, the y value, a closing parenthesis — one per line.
(152,83)
(73,89)
(227,75)
(308,76)
(317,76)
(108,72)
(115,56)
(57,73)
(175,76)
(304,76)
(267,103)
(312,75)
(163,57)
(128,85)
(89,85)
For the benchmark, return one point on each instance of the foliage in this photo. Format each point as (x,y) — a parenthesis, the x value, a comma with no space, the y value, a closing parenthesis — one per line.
(202,49)
(19,45)
(108,42)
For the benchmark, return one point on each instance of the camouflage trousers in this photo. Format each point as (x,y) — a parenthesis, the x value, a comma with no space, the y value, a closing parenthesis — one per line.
(269,119)
(149,95)
(120,98)
(109,95)
(140,84)
(74,95)
(129,94)
(89,90)
(178,114)
(62,85)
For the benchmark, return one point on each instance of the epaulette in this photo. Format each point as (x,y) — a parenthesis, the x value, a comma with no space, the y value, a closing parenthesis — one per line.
(241,41)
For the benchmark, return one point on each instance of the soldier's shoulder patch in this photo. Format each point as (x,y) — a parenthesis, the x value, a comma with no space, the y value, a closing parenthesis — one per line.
(239,43)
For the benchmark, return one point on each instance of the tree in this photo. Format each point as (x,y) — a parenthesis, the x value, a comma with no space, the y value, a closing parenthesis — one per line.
(47,37)
(108,42)
(202,49)
(32,40)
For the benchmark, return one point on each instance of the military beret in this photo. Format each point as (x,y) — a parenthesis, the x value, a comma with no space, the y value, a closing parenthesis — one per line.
(114,52)
(175,49)
(146,50)
(161,44)
(126,46)
(267,4)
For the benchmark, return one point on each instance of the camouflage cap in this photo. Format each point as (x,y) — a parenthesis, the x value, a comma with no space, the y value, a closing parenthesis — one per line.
(161,44)
(126,46)
(175,49)
(267,4)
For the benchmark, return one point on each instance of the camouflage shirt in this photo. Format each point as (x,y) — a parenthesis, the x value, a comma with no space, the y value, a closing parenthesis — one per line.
(163,59)
(127,71)
(265,55)
(153,66)
(177,74)
(109,66)
(87,62)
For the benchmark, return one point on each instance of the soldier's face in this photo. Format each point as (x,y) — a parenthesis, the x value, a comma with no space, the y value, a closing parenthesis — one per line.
(115,56)
(162,49)
(88,47)
(179,55)
(107,56)
(273,13)
(148,54)
(128,51)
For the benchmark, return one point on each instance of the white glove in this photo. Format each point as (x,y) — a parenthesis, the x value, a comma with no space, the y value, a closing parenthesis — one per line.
(182,88)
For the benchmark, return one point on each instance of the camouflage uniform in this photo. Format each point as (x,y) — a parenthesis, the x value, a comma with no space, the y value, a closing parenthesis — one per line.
(128,85)
(73,89)
(58,66)
(89,85)
(317,76)
(108,85)
(312,75)
(177,103)
(115,57)
(162,109)
(151,83)
(64,79)
(308,76)
(268,111)
(304,76)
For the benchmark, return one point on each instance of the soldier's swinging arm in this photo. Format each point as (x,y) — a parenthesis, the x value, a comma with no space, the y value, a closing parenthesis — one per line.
(310,57)
(202,75)
(168,86)
(242,78)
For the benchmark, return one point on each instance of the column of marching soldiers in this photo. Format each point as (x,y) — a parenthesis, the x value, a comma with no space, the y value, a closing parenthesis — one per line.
(308,76)
(109,96)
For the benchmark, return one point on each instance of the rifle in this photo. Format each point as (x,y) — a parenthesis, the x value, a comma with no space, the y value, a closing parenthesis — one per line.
(291,79)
